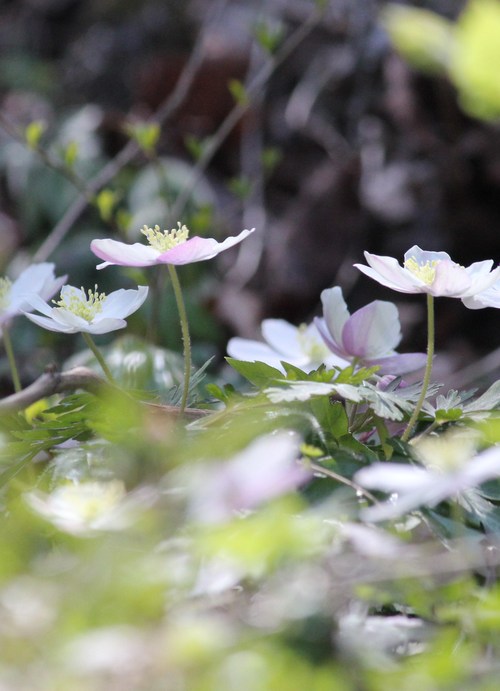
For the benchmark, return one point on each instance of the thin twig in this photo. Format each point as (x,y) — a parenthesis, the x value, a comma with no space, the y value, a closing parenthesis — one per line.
(235,115)
(165,111)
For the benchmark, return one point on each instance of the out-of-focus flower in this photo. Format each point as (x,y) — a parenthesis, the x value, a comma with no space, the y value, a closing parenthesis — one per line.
(83,508)
(488,298)
(434,273)
(369,336)
(267,468)
(36,280)
(449,468)
(79,312)
(300,346)
(165,247)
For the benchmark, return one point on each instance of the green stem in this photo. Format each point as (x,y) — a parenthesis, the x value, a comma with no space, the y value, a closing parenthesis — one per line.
(186,340)
(428,368)
(12,360)
(98,356)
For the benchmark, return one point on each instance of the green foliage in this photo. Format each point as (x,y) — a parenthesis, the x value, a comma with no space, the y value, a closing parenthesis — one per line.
(467,51)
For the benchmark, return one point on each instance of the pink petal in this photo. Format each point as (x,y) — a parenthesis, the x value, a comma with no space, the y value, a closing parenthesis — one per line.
(399,363)
(199,249)
(372,331)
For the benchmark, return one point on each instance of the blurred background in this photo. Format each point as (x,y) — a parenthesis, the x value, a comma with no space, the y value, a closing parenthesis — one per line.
(349,135)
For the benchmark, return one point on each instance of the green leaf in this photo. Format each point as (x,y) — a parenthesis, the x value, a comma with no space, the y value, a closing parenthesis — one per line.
(33,133)
(331,416)
(145,134)
(257,373)
(268,36)
(424,38)
(238,92)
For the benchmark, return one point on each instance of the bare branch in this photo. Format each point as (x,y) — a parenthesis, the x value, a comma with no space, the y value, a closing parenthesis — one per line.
(53,382)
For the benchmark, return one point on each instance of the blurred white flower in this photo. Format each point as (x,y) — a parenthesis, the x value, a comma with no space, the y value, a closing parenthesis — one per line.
(267,468)
(450,467)
(84,508)
(37,280)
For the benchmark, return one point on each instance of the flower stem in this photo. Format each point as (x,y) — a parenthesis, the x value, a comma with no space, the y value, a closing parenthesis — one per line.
(186,340)
(12,360)
(428,368)
(98,356)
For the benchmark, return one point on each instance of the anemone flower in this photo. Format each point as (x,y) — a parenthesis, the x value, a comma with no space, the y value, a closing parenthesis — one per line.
(87,313)
(369,336)
(165,247)
(90,312)
(267,468)
(449,469)
(36,280)
(434,273)
(300,346)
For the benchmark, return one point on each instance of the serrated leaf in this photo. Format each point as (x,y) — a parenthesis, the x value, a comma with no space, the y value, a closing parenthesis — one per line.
(258,373)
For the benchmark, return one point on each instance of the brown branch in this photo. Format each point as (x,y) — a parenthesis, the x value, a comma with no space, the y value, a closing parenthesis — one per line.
(53,382)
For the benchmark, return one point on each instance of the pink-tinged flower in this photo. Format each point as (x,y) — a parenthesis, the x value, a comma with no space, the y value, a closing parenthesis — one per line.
(266,469)
(300,346)
(431,272)
(36,280)
(488,298)
(449,469)
(165,247)
(91,312)
(369,336)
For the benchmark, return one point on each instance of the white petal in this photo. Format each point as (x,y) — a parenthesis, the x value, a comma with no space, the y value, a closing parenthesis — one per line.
(253,351)
(51,325)
(104,326)
(283,337)
(121,303)
(395,477)
(335,312)
(119,253)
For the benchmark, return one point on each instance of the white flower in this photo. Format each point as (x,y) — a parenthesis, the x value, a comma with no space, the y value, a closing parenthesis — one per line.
(450,467)
(434,273)
(300,346)
(36,280)
(91,312)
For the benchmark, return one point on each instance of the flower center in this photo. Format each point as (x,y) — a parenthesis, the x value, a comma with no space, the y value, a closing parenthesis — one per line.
(83,305)
(163,240)
(5,286)
(425,272)
(314,349)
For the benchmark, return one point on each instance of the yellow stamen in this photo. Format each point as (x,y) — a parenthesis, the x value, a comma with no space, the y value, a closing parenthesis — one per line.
(166,239)
(425,272)
(84,306)
(5,286)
